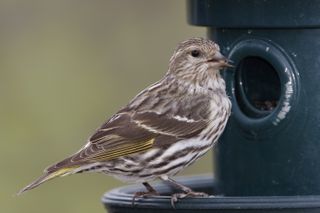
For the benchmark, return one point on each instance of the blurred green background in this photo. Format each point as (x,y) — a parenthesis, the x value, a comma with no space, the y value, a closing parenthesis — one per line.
(65,67)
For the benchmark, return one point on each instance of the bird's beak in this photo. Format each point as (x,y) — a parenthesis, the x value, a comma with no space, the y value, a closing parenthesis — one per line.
(221,60)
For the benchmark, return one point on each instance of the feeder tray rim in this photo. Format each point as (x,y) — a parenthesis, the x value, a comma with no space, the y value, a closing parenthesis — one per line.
(123,196)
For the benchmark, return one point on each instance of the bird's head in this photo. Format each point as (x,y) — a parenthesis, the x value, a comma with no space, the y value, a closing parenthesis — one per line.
(197,58)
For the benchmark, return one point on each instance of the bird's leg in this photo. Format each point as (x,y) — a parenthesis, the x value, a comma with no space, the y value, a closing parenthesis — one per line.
(151,192)
(187,192)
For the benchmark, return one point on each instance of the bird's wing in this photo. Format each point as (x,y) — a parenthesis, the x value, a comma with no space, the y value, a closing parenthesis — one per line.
(127,133)
(177,126)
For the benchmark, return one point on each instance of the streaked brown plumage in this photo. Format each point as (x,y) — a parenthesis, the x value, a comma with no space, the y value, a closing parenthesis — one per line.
(164,128)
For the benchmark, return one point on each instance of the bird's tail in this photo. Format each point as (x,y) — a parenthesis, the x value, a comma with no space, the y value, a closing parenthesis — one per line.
(47,176)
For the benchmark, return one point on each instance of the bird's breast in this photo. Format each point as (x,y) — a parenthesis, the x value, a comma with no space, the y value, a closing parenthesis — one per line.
(220,109)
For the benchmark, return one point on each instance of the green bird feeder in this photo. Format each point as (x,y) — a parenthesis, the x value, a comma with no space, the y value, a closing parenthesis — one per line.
(268,159)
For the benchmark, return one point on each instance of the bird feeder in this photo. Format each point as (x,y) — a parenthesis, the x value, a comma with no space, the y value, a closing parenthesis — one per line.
(268,157)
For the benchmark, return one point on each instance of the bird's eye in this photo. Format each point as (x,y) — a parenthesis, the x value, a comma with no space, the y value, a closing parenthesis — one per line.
(195,53)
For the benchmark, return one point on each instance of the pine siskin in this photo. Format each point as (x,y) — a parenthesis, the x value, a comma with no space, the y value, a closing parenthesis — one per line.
(164,129)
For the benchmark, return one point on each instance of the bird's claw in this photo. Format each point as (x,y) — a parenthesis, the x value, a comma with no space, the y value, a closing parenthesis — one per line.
(175,197)
(143,195)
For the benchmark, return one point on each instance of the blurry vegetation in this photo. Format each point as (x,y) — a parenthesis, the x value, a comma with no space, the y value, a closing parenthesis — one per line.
(65,66)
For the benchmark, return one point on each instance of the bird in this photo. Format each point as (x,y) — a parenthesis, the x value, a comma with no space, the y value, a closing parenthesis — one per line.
(162,130)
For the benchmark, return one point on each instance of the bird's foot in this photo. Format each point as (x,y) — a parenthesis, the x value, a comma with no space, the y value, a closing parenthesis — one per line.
(143,195)
(176,196)
(186,191)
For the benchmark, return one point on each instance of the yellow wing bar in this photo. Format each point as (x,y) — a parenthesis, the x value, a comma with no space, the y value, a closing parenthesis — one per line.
(123,150)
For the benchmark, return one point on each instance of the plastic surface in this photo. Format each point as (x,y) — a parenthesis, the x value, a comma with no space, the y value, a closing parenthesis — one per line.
(120,201)
(254,13)
(277,154)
